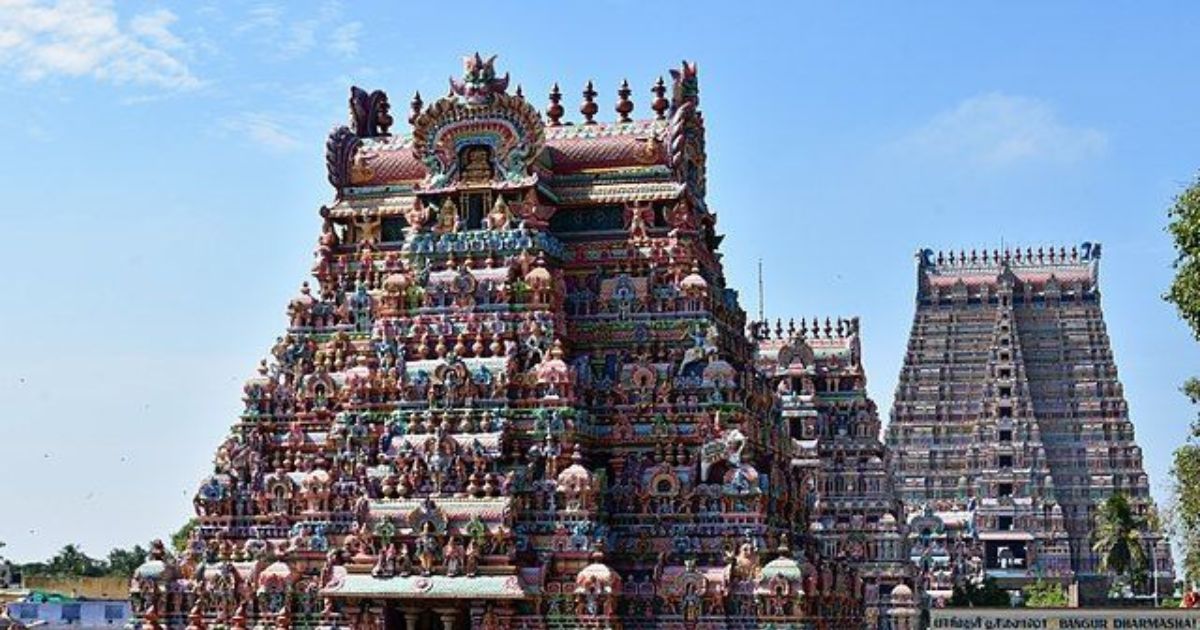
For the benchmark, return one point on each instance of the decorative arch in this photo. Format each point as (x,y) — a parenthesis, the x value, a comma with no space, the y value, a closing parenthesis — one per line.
(508,126)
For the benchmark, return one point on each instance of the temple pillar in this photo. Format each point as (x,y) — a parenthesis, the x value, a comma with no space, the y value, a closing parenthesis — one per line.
(411,616)
(449,617)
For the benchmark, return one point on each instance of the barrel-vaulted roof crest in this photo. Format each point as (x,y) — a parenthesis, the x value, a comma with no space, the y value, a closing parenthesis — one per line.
(479,112)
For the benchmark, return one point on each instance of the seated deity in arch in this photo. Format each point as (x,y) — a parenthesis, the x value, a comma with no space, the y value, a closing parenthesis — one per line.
(476,165)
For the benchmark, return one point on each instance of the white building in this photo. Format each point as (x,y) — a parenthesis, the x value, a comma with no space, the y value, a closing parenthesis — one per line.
(71,614)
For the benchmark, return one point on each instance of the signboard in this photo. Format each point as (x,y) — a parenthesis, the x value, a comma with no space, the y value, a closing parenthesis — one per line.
(1063,618)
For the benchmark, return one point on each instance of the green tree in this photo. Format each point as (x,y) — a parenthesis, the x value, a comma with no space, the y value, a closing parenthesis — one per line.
(1184,293)
(1184,227)
(1185,509)
(123,562)
(987,594)
(1045,594)
(71,561)
(1118,539)
(179,539)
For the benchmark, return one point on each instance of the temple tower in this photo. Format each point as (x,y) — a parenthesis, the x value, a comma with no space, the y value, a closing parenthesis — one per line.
(817,371)
(1009,424)
(518,395)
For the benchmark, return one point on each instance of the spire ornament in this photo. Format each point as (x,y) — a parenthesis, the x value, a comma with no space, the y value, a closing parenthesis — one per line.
(624,105)
(555,110)
(369,113)
(589,107)
(660,105)
(415,107)
(479,82)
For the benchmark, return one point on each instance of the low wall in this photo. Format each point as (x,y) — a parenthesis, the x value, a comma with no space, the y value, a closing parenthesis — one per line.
(89,587)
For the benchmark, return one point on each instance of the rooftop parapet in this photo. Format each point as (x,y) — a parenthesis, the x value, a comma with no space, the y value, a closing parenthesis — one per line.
(1039,268)
(839,328)
(830,343)
(942,260)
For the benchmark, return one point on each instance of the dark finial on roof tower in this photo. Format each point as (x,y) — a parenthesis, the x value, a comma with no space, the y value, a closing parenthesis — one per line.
(624,105)
(660,104)
(555,111)
(589,106)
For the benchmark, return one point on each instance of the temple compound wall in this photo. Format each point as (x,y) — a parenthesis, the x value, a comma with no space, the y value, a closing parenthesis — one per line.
(1010,425)
(518,393)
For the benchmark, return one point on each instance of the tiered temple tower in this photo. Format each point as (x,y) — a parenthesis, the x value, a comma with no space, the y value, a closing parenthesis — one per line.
(817,372)
(518,395)
(1010,425)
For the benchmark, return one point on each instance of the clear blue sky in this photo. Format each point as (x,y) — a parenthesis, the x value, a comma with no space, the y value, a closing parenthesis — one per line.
(163,167)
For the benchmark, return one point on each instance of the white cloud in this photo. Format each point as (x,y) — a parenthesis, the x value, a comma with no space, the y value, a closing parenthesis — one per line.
(263,16)
(298,38)
(264,130)
(77,38)
(996,130)
(344,40)
(156,27)
(289,37)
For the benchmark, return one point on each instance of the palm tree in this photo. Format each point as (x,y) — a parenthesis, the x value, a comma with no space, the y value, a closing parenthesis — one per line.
(1118,539)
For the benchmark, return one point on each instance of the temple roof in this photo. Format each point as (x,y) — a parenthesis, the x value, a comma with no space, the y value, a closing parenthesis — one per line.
(657,158)
(568,149)
(832,348)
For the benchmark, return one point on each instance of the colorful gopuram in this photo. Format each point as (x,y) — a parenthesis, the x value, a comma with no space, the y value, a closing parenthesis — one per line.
(1010,425)
(518,394)
(817,372)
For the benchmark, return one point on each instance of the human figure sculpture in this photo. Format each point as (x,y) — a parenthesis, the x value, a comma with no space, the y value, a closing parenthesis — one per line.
(471,563)
(448,217)
(500,216)
(405,560)
(452,557)
(426,550)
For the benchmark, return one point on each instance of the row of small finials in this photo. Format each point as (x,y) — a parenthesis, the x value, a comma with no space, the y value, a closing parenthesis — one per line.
(1029,256)
(841,327)
(589,108)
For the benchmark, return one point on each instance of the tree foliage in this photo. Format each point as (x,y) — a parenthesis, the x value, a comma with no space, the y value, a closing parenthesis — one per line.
(1185,479)
(180,538)
(1184,227)
(1045,594)
(72,562)
(1118,538)
(1184,293)
(986,594)
(123,562)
